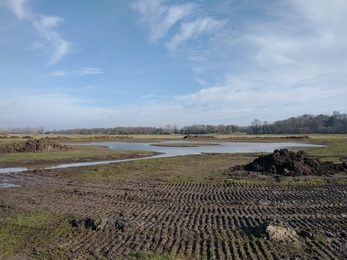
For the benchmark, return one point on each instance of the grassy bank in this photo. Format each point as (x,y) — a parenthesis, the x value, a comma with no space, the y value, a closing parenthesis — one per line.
(335,149)
(178,169)
(78,152)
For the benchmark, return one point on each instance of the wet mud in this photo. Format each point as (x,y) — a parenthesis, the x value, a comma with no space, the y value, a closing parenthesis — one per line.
(211,220)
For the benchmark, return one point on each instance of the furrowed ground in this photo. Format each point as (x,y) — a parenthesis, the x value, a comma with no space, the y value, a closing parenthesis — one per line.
(184,207)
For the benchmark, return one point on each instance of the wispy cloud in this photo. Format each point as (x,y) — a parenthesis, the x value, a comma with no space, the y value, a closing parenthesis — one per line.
(191,23)
(80,72)
(159,17)
(193,30)
(292,61)
(18,7)
(90,71)
(53,44)
(58,73)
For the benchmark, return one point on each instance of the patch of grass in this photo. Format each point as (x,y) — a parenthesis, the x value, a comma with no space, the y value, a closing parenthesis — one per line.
(82,151)
(191,168)
(24,230)
(335,149)
(185,144)
(245,181)
(150,256)
(305,182)
(320,238)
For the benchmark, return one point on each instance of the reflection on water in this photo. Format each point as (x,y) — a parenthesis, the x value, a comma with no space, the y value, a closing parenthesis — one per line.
(6,184)
(223,147)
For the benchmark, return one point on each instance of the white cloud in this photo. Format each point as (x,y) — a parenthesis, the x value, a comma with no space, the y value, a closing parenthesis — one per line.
(58,73)
(201,81)
(160,18)
(89,71)
(18,7)
(292,63)
(80,72)
(194,29)
(54,45)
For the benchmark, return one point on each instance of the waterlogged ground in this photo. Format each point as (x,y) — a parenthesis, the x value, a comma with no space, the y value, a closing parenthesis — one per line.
(181,207)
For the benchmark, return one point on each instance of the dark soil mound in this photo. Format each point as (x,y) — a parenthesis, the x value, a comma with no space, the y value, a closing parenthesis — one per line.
(289,163)
(90,223)
(104,223)
(198,137)
(38,145)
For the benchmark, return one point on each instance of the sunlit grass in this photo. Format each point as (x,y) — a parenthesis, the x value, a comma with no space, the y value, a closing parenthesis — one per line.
(178,169)
(76,152)
(28,229)
(335,150)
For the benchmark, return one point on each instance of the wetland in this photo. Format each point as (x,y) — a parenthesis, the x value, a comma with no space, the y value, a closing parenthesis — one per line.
(175,207)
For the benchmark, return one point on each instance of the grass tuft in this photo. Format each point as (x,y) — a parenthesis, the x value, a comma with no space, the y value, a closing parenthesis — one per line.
(25,230)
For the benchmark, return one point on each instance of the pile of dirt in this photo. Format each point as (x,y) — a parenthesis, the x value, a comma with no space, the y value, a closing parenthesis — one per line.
(288,163)
(198,137)
(104,223)
(90,223)
(34,146)
(276,230)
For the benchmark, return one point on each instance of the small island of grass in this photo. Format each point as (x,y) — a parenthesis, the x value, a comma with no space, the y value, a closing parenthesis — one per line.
(185,144)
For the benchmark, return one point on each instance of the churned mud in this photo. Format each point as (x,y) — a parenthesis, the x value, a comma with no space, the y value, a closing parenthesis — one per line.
(224,218)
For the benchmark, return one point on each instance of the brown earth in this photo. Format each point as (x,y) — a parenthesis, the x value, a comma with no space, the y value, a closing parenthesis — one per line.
(198,137)
(288,163)
(210,220)
(34,146)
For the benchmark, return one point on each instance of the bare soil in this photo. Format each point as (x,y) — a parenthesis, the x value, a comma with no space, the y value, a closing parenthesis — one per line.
(288,163)
(34,146)
(199,137)
(218,219)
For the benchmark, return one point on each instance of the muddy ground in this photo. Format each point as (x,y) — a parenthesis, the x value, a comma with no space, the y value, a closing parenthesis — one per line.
(245,216)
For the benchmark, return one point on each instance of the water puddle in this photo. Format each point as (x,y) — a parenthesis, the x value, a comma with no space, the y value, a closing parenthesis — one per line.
(167,151)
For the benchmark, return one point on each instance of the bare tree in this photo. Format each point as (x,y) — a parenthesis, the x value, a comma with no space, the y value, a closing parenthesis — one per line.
(256,126)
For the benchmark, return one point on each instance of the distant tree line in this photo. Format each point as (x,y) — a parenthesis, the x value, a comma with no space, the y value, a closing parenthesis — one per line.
(23,130)
(209,129)
(305,124)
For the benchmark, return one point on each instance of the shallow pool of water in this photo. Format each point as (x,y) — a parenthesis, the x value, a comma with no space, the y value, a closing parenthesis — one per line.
(222,147)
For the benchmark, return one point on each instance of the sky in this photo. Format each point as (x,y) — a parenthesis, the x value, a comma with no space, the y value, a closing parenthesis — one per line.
(107,63)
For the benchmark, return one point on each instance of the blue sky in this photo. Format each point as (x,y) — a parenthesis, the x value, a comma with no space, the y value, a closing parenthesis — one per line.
(75,64)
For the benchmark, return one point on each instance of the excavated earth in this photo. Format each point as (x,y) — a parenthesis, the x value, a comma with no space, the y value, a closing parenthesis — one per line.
(288,163)
(212,220)
(199,137)
(32,145)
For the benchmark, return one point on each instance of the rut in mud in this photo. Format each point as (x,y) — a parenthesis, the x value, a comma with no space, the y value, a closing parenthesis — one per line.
(191,220)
